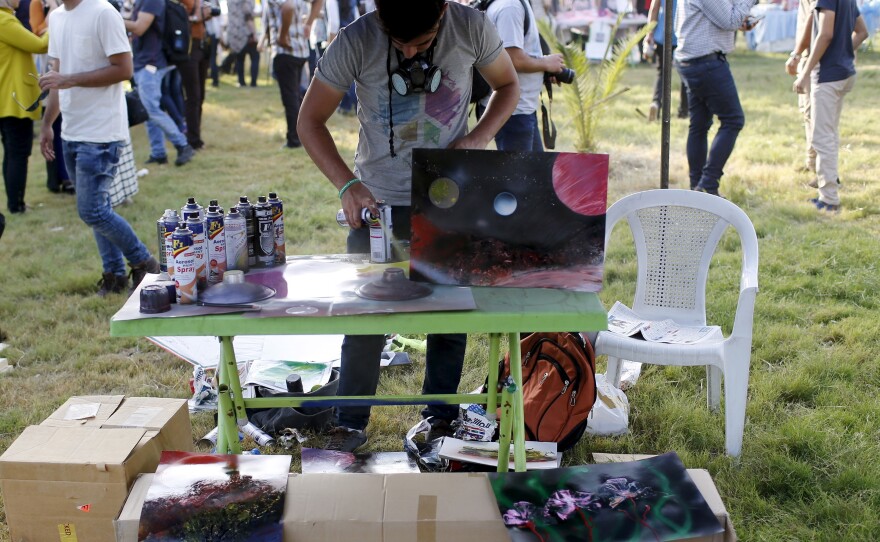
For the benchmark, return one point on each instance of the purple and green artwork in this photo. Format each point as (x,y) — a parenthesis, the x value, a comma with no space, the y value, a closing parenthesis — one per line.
(515,219)
(649,500)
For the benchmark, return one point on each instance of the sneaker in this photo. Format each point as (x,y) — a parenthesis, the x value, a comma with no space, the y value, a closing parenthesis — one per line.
(344,439)
(157,160)
(139,271)
(440,429)
(827,207)
(653,111)
(711,191)
(111,284)
(184,155)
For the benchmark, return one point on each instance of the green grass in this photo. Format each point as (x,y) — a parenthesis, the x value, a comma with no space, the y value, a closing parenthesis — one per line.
(809,468)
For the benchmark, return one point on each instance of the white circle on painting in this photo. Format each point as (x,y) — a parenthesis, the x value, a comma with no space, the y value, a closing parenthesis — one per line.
(443,192)
(505,204)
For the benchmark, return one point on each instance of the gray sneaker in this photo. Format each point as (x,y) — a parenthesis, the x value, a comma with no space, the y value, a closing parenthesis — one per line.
(344,439)
(184,155)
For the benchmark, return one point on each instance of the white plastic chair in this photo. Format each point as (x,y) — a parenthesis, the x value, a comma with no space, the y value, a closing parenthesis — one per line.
(676,233)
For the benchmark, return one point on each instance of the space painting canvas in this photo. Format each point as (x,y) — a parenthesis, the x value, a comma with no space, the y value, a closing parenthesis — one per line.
(510,219)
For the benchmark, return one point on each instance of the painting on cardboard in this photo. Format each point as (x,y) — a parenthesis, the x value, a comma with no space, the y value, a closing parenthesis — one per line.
(515,219)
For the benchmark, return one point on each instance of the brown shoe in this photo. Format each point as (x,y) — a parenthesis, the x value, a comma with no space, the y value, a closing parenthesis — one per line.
(139,271)
(111,284)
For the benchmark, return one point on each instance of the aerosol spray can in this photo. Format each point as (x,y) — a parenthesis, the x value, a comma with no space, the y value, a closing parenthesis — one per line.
(278,223)
(380,232)
(192,207)
(247,211)
(165,226)
(264,233)
(185,277)
(197,227)
(216,245)
(236,241)
(215,203)
(260,437)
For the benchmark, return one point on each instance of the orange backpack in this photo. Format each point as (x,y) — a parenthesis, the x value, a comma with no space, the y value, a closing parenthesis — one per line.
(559,386)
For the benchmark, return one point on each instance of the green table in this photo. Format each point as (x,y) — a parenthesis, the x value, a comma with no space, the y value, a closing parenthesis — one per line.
(500,312)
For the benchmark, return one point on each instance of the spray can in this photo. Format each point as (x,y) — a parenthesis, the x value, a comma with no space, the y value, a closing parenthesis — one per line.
(215,203)
(192,206)
(380,232)
(215,244)
(197,227)
(165,226)
(260,437)
(185,276)
(278,224)
(236,241)
(264,233)
(247,211)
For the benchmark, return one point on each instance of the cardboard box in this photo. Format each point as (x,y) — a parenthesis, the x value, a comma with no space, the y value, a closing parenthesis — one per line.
(703,480)
(130,516)
(170,417)
(75,412)
(391,508)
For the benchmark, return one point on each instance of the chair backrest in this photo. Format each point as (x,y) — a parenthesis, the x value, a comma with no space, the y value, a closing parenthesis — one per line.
(676,233)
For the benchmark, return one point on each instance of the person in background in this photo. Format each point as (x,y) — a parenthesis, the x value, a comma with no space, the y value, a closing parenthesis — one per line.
(150,67)
(838,29)
(654,41)
(213,31)
(89,58)
(194,71)
(705,30)
(241,38)
(19,102)
(796,63)
(286,27)
(348,12)
(454,39)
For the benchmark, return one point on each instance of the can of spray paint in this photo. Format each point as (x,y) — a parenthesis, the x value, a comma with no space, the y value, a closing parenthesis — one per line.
(185,276)
(165,226)
(197,227)
(380,232)
(236,241)
(264,233)
(260,437)
(215,203)
(247,211)
(192,206)
(215,245)
(278,223)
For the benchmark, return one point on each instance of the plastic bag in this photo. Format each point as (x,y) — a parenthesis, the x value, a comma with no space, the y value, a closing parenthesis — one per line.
(610,414)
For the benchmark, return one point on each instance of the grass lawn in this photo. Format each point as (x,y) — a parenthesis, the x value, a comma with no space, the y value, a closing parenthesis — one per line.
(809,468)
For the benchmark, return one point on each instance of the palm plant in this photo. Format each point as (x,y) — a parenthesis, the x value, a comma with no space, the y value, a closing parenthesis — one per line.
(596,84)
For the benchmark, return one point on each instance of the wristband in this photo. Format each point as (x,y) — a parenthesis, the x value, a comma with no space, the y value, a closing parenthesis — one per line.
(794,55)
(348,185)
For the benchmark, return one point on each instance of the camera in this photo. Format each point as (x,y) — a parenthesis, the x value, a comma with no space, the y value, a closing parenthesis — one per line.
(565,76)
(215,11)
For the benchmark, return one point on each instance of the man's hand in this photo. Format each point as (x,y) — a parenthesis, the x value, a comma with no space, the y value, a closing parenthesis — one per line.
(469,141)
(47,142)
(800,84)
(284,40)
(54,80)
(358,197)
(791,65)
(553,63)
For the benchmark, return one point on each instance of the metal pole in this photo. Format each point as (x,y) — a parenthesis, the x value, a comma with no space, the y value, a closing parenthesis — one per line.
(667,94)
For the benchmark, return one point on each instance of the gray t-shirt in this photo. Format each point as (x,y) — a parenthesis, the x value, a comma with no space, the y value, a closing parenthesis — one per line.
(509,18)
(360,54)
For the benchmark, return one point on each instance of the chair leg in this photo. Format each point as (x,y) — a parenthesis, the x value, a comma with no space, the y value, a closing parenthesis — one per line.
(736,384)
(713,385)
(612,374)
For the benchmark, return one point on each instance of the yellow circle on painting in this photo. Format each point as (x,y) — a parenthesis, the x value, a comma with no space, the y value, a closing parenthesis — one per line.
(443,192)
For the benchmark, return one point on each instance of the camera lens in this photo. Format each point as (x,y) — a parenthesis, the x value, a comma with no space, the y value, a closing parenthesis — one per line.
(215,12)
(565,76)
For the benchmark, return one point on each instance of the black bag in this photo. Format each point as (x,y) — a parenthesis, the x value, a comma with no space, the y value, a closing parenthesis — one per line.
(275,420)
(176,40)
(137,113)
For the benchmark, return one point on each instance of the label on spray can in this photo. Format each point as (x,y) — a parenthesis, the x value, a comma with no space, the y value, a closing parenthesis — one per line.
(247,211)
(185,276)
(197,227)
(216,245)
(380,232)
(264,233)
(236,241)
(165,226)
(278,223)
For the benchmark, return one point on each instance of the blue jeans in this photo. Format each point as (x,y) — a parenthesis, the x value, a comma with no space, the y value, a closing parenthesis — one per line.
(520,133)
(359,373)
(160,125)
(92,167)
(711,91)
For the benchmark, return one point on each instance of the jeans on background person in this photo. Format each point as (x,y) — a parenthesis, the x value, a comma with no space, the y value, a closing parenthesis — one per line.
(711,91)
(92,167)
(520,133)
(57,178)
(18,140)
(658,87)
(249,50)
(213,51)
(359,372)
(288,71)
(160,124)
(193,74)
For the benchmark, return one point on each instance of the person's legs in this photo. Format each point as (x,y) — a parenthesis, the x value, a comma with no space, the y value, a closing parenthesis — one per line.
(518,133)
(443,365)
(700,122)
(722,99)
(239,67)
(827,105)
(254,53)
(18,139)
(160,125)
(657,97)
(192,95)
(92,167)
(806,109)
(288,70)
(202,68)
(213,66)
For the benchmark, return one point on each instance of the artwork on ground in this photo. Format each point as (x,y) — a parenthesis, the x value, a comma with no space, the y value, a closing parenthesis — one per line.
(649,500)
(215,498)
(539,455)
(315,460)
(515,219)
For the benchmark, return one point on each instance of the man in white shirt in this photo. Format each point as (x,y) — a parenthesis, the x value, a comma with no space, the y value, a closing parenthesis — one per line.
(89,57)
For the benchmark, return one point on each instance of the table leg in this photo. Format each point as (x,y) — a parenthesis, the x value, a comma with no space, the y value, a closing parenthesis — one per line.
(227,428)
(492,382)
(504,430)
(233,381)
(519,430)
